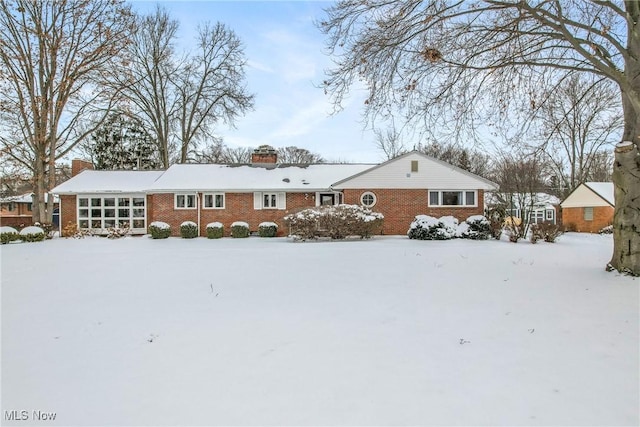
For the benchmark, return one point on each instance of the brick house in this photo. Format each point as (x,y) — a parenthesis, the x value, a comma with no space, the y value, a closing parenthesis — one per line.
(17,211)
(589,208)
(264,190)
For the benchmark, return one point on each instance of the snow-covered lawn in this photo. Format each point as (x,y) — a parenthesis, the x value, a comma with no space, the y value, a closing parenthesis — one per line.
(255,331)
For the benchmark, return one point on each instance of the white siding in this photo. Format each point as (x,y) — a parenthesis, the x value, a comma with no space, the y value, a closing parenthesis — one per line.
(431,174)
(583,196)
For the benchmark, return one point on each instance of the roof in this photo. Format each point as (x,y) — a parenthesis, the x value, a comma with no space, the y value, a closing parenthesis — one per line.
(433,174)
(203,177)
(519,199)
(604,190)
(25,198)
(92,181)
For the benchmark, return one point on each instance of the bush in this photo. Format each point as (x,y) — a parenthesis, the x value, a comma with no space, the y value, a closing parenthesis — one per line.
(159,230)
(425,227)
(606,230)
(8,235)
(336,222)
(48,229)
(215,230)
(32,234)
(189,230)
(239,229)
(72,230)
(117,232)
(476,227)
(496,215)
(547,231)
(268,229)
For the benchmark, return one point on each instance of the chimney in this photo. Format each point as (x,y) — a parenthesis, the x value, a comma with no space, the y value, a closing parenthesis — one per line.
(78,166)
(265,154)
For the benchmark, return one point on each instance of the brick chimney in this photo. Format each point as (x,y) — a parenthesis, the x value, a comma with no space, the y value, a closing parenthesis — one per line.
(78,166)
(265,154)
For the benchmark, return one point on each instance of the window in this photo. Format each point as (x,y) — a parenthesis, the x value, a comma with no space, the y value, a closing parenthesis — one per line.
(214,201)
(269,200)
(104,212)
(452,198)
(414,166)
(368,199)
(588,214)
(185,201)
(549,215)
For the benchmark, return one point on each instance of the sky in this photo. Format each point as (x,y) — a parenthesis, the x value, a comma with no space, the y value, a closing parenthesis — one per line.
(286,59)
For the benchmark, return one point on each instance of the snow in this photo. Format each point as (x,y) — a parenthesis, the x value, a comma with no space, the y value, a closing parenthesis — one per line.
(160,225)
(240,224)
(32,229)
(193,177)
(387,331)
(92,181)
(268,224)
(188,224)
(215,225)
(604,190)
(7,229)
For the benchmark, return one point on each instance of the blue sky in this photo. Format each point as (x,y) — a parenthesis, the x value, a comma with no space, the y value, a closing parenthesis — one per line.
(286,62)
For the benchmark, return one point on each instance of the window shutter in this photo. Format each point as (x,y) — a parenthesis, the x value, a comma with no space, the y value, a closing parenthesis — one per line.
(257,200)
(282,200)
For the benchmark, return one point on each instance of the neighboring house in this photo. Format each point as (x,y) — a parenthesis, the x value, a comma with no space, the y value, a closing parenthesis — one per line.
(537,207)
(400,189)
(17,211)
(589,208)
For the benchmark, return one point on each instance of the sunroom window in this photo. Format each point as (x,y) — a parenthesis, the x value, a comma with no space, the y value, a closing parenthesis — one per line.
(452,198)
(104,212)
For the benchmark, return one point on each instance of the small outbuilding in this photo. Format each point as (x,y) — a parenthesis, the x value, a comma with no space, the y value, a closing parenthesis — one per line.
(589,208)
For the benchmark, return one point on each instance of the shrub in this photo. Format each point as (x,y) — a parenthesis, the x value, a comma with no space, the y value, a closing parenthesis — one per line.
(189,230)
(425,227)
(476,227)
(606,230)
(8,235)
(337,222)
(268,229)
(548,231)
(48,229)
(117,232)
(496,215)
(215,230)
(240,229)
(32,234)
(72,230)
(159,230)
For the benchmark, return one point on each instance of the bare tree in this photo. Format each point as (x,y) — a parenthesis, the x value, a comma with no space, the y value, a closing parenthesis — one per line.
(210,86)
(390,142)
(53,57)
(470,160)
(579,120)
(484,62)
(296,155)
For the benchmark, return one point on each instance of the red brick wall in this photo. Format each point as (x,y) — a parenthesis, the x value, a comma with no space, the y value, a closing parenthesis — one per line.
(16,221)
(68,210)
(238,207)
(78,166)
(573,219)
(400,207)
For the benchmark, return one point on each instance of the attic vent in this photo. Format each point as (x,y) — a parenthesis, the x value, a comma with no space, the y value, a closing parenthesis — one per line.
(286,180)
(304,181)
(414,166)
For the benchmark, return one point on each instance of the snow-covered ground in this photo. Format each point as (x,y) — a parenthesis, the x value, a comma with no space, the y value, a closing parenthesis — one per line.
(255,331)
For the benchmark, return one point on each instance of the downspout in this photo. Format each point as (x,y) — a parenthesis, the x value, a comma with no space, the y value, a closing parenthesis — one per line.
(198,209)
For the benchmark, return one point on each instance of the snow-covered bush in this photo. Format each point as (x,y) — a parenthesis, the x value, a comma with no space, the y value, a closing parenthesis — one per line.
(159,230)
(337,222)
(47,228)
(8,234)
(496,215)
(117,232)
(545,231)
(606,230)
(268,229)
(189,230)
(425,227)
(32,234)
(239,229)
(476,227)
(215,230)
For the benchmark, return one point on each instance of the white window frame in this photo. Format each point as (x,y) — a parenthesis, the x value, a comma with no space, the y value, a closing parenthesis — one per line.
(550,214)
(117,218)
(213,200)
(280,197)
(365,194)
(185,207)
(463,198)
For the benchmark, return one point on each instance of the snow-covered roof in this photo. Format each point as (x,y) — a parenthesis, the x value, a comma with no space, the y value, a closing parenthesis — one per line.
(92,181)
(25,198)
(603,189)
(520,199)
(200,177)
